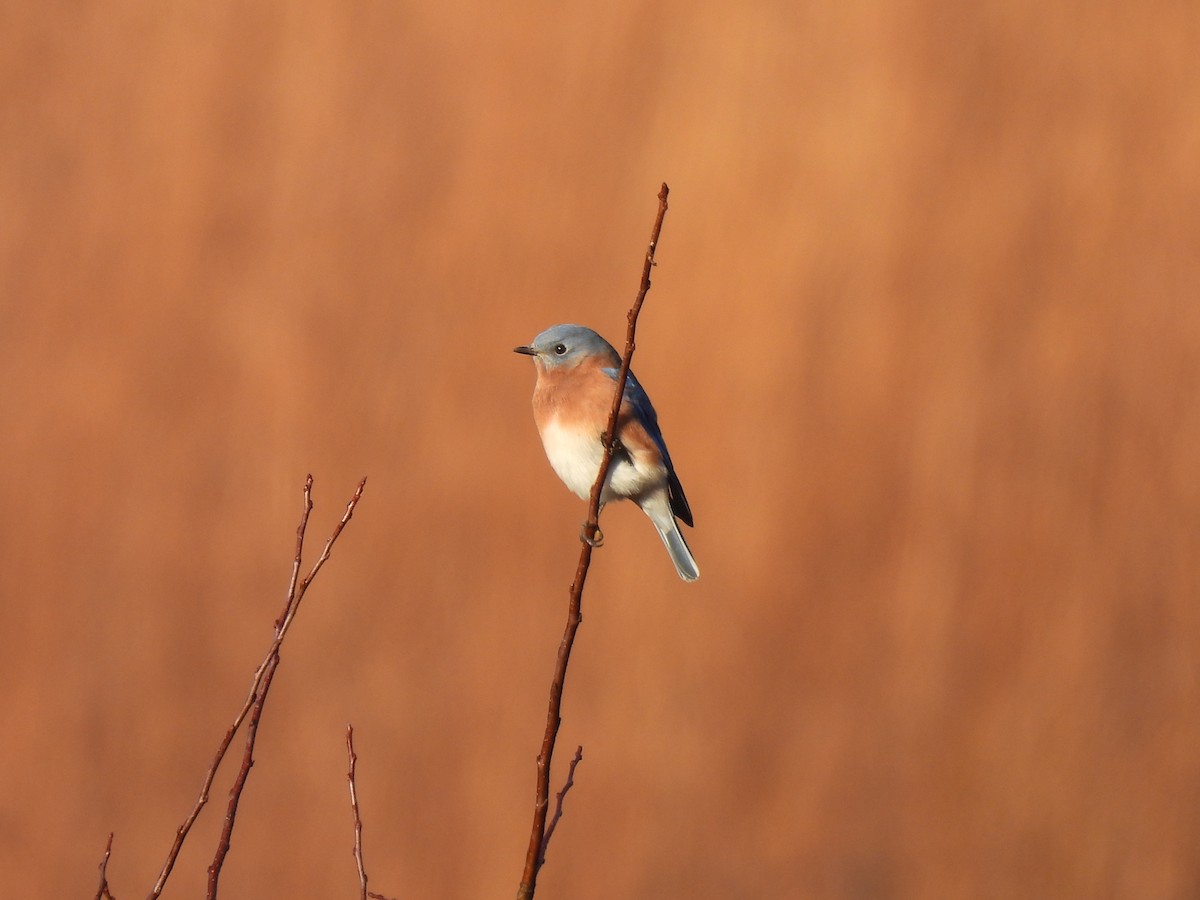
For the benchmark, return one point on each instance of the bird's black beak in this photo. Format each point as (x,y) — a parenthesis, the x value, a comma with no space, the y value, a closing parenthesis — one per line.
(528,351)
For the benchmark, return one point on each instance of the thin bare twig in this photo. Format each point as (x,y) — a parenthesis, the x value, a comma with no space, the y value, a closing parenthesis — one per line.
(364,894)
(102,892)
(358,854)
(259,686)
(533,855)
(558,803)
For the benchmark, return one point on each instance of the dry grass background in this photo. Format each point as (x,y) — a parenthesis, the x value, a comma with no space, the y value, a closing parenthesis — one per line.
(923,336)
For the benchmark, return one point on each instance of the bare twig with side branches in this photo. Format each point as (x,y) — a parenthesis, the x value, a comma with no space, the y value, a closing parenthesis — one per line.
(537,836)
(252,708)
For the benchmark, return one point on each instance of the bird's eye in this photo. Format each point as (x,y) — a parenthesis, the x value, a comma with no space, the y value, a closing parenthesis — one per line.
(560,349)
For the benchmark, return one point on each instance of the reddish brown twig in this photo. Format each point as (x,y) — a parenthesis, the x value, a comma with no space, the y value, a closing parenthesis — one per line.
(358,854)
(534,856)
(252,708)
(270,665)
(102,892)
(558,803)
(364,894)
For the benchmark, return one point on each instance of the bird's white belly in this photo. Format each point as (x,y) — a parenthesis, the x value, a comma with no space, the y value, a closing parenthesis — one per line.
(575,455)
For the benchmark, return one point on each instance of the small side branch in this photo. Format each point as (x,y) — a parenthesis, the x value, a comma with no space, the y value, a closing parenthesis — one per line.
(558,803)
(102,892)
(534,855)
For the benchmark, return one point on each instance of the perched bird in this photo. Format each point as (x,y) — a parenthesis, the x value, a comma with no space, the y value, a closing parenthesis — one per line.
(576,378)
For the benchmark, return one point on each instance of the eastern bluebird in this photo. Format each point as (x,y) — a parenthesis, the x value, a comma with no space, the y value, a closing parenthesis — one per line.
(572,399)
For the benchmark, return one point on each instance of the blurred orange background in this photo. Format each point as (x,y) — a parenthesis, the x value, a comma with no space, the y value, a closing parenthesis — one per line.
(924,340)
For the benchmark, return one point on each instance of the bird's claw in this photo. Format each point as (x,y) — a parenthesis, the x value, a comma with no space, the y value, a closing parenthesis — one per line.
(595,539)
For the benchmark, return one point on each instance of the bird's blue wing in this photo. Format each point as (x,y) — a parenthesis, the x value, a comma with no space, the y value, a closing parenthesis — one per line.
(644,410)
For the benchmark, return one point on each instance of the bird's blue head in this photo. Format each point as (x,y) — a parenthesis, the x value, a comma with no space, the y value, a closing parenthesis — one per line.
(566,346)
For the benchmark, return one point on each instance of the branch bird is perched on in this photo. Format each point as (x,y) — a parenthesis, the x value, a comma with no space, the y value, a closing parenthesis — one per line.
(576,377)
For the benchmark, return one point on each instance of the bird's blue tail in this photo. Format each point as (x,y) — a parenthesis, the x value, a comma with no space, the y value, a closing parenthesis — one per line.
(681,554)
(658,507)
